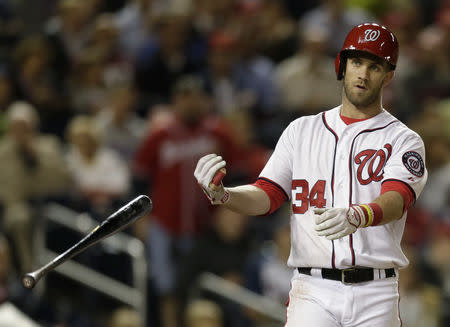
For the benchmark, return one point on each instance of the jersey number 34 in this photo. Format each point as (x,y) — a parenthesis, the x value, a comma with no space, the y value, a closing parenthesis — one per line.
(303,198)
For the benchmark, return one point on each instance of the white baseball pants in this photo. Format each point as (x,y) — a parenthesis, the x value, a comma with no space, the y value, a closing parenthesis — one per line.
(317,302)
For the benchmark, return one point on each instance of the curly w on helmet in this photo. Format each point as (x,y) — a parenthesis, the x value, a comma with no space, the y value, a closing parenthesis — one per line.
(370,38)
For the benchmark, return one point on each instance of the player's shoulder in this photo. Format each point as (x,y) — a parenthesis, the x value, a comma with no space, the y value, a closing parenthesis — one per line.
(400,134)
(312,120)
(316,117)
(398,127)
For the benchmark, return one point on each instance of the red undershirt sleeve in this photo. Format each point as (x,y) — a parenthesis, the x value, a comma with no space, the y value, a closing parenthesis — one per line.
(401,187)
(274,191)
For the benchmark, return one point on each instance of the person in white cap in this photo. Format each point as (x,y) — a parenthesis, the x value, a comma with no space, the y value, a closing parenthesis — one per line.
(31,167)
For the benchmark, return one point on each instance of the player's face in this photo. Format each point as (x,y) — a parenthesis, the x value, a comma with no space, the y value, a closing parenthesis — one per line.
(364,80)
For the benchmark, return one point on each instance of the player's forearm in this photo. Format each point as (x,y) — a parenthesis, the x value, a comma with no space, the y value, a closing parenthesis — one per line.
(248,200)
(391,204)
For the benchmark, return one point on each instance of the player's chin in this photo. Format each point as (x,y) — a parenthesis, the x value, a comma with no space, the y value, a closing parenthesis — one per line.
(361,100)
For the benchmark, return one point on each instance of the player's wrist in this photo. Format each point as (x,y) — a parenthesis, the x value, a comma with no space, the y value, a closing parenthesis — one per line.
(217,194)
(369,214)
(226,196)
(220,197)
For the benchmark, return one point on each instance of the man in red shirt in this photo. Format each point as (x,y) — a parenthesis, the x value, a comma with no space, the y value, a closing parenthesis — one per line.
(167,157)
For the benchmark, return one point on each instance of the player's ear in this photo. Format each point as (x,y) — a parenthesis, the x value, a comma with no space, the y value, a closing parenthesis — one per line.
(388,78)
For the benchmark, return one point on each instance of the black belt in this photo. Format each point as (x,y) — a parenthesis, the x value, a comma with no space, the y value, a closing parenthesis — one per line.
(349,276)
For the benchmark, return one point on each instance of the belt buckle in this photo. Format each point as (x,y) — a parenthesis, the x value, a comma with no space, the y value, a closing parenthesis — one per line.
(343,271)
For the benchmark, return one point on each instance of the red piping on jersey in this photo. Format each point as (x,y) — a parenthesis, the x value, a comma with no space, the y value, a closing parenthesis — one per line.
(352,251)
(334,157)
(333,255)
(398,306)
(351,183)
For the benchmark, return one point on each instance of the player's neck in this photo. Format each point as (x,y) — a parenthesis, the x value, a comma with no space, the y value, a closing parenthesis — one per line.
(349,110)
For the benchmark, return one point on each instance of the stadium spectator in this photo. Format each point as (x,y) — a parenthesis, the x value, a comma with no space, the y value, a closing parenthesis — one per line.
(404,21)
(125,317)
(222,58)
(5,268)
(431,76)
(432,125)
(174,52)
(133,22)
(165,157)
(88,84)
(254,73)
(68,29)
(250,156)
(203,313)
(267,265)
(278,31)
(438,257)
(420,301)
(222,251)
(209,16)
(336,18)
(237,82)
(297,93)
(121,127)
(101,178)
(37,82)
(12,27)
(31,168)
(6,97)
(105,40)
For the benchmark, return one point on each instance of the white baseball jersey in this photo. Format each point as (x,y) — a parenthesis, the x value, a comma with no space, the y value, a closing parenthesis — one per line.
(319,161)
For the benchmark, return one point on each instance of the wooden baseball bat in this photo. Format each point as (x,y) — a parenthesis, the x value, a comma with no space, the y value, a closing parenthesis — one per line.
(116,222)
(218,178)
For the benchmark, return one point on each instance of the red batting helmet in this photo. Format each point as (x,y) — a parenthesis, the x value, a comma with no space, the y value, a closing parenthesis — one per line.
(372,38)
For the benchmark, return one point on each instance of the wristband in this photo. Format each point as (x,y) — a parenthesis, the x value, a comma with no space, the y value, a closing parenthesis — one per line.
(377,214)
(373,214)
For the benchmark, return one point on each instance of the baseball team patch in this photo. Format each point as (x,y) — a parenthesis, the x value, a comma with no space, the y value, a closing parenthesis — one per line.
(414,163)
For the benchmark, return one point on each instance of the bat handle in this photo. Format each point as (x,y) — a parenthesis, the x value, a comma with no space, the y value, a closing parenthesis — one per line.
(215,183)
(29,280)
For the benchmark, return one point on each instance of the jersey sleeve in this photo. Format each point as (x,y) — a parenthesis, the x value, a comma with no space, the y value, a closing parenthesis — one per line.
(278,169)
(400,187)
(407,164)
(275,193)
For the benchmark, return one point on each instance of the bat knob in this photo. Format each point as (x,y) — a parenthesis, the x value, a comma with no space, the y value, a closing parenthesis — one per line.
(28,281)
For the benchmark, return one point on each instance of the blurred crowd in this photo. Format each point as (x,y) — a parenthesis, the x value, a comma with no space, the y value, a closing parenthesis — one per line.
(103,100)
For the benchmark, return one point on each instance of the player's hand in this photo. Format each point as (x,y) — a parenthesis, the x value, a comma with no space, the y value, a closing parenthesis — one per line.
(207,168)
(338,222)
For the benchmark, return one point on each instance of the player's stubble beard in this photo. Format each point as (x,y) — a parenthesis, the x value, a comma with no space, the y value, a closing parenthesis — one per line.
(362,101)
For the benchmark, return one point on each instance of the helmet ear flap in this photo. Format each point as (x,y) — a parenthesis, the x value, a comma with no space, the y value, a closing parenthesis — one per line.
(340,62)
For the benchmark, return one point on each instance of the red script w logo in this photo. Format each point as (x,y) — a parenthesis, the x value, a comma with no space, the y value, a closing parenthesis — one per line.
(371,164)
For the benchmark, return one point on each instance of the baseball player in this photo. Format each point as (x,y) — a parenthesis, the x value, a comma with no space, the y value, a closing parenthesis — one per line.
(350,173)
